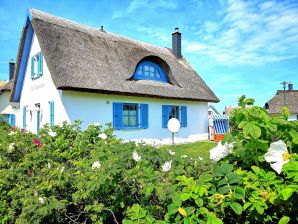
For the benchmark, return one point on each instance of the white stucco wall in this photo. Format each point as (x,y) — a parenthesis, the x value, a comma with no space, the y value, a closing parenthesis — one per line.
(292,117)
(7,107)
(4,100)
(41,90)
(93,108)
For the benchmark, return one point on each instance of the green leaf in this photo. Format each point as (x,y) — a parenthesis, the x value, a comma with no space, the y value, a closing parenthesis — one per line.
(284,220)
(236,207)
(223,169)
(240,191)
(242,124)
(251,130)
(233,178)
(256,169)
(185,196)
(287,193)
(199,202)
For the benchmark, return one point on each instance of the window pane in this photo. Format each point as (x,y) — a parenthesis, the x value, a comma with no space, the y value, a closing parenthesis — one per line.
(125,121)
(140,70)
(151,68)
(157,74)
(174,112)
(147,73)
(146,68)
(132,121)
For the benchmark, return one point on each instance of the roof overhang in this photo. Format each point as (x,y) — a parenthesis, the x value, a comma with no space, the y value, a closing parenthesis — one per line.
(22,59)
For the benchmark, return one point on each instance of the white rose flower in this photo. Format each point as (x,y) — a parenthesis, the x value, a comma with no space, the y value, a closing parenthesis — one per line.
(220,151)
(49,165)
(41,200)
(200,158)
(96,165)
(167,166)
(52,133)
(172,153)
(62,169)
(136,156)
(277,155)
(11,133)
(102,136)
(12,146)
(184,156)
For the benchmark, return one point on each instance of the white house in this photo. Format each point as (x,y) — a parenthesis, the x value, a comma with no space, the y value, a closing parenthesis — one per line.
(212,111)
(288,98)
(67,71)
(9,111)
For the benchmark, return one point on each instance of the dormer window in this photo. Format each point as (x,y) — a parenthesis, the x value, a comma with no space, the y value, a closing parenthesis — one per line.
(148,70)
(36,66)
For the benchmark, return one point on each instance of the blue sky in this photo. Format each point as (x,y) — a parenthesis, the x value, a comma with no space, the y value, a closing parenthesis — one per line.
(238,47)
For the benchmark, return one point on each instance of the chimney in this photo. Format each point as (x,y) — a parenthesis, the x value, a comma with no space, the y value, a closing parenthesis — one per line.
(176,43)
(11,69)
(290,86)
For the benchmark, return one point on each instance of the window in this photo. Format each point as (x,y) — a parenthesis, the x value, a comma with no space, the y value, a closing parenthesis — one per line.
(150,71)
(266,106)
(130,115)
(170,111)
(9,118)
(210,113)
(36,66)
(5,117)
(12,120)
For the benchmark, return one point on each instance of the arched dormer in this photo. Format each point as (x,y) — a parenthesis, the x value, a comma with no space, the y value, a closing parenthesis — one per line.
(266,106)
(149,70)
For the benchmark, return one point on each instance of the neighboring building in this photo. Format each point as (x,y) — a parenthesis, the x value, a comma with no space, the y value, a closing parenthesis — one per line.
(212,111)
(228,110)
(67,71)
(2,82)
(9,111)
(274,105)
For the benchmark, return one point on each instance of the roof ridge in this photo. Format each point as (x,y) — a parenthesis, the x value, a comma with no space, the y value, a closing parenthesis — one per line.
(67,23)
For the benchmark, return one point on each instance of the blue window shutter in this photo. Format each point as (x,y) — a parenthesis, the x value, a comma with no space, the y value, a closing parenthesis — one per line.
(12,120)
(52,113)
(40,64)
(117,115)
(165,115)
(32,67)
(183,116)
(24,117)
(144,116)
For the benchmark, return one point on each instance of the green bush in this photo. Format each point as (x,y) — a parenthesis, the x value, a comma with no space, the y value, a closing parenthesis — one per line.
(49,178)
(69,175)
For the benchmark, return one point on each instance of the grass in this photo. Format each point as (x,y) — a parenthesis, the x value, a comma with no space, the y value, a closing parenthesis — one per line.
(193,150)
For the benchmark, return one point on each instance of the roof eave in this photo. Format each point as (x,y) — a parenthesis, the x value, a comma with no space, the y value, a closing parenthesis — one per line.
(134,94)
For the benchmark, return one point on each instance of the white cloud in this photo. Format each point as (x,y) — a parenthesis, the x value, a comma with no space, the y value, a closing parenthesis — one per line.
(162,35)
(145,5)
(250,33)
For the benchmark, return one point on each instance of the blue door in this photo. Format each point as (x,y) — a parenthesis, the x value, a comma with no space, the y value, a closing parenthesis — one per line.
(37,121)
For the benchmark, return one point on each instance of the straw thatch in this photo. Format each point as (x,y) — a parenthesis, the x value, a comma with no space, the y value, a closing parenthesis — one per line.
(88,59)
(277,102)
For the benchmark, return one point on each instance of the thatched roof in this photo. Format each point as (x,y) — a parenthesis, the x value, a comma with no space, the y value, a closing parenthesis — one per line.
(7,86)
(277,102)
(89,59)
